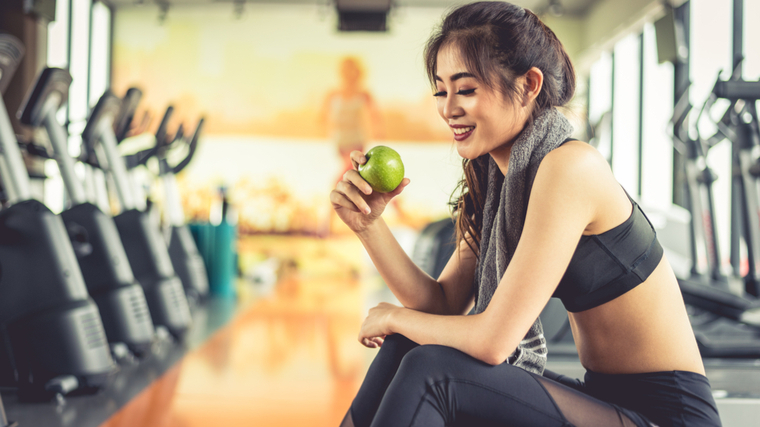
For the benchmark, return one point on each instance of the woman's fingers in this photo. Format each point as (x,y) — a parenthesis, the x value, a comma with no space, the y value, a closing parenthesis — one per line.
(339,199)
(373,342)
(357,158)
(352,194)
(353,177)
(368,343)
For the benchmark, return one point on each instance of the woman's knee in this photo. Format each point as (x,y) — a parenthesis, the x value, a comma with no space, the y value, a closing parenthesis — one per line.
(398,340)
(396,346)
(430,359)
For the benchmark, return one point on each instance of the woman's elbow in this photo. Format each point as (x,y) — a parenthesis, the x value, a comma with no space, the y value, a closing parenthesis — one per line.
(492,353)
(494,358)
(492,345)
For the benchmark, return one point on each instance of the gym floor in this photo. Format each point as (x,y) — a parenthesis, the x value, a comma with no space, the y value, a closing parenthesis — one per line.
(288,355)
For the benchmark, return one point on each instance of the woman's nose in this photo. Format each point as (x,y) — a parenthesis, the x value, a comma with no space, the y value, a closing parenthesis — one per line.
(451,108)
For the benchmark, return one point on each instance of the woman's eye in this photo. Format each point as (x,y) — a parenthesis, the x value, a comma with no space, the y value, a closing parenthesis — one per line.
(461,92)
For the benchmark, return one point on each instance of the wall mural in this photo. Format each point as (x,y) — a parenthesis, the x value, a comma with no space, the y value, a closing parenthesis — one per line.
(286,97)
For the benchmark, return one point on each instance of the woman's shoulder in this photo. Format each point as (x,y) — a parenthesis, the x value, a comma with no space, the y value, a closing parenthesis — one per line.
(576,158)
(579,168)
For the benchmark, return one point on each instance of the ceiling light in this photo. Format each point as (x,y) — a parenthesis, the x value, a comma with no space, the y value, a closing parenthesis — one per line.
(555,8)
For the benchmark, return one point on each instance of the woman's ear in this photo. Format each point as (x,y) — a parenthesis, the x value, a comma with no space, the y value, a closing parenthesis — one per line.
(534,81)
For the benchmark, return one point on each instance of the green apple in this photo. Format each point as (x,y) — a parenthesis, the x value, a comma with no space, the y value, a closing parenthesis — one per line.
(384,170)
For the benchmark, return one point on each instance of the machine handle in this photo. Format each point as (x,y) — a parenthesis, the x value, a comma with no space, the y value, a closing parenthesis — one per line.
(126,113)
(193,146)
(738,89)
(11,52)
(162,128)
(51,91)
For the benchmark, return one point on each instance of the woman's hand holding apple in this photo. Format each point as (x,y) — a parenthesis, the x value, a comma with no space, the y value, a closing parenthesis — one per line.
(354,200)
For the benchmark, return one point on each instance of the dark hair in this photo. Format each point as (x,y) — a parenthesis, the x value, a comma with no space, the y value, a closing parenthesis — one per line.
(498,42)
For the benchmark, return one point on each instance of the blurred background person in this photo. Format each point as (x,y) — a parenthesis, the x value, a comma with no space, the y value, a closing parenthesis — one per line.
(350,118)
(349,113)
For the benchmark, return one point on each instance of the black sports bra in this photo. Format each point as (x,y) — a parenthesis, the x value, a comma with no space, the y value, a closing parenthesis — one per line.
(607,265)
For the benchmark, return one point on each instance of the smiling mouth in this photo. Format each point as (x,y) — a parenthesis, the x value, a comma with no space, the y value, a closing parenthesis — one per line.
(460,134)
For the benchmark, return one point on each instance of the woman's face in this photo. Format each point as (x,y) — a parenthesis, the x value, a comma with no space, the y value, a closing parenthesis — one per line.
(481,119)
(350,71)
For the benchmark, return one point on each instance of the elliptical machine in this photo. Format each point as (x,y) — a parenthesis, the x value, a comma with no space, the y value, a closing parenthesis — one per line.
(96,241)
(145,247)
(186,259)
(183,251)
(52,330)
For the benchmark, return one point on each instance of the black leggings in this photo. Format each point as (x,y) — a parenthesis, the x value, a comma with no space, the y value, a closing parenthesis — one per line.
(431,385)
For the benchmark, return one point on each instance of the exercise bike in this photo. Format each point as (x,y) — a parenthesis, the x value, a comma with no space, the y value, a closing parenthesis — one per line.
(93,233)
(54,340)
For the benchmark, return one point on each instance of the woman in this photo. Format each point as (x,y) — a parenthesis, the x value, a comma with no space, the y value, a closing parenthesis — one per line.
(539,215)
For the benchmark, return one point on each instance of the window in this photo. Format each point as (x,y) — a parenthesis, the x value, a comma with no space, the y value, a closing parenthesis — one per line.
(79,40)
(710,53)
(751,40)
(600,104)
(625,113)
(100,52)
(657,150)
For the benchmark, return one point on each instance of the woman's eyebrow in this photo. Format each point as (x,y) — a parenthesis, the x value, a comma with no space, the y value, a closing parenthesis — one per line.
(457,76)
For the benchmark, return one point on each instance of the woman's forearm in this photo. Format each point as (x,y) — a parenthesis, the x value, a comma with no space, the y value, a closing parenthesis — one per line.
(468,334)
(413,287)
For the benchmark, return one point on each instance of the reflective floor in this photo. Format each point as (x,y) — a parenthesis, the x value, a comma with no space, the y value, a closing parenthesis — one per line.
(285,353)
(290,357)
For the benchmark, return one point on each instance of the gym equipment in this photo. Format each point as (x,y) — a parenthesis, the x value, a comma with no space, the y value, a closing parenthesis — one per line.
(52,330)
(126,113)
(699,178)
(184,254)
(742,128)
(187,261)
(145,247)
(133,161)
(725,324)
(434,246)
(93,234)
(7,67)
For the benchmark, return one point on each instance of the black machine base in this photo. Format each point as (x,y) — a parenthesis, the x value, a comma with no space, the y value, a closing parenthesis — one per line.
(168,305)
(127,302)
(152,267)
(50,326)
(65,341)
(109,278)
(188,263)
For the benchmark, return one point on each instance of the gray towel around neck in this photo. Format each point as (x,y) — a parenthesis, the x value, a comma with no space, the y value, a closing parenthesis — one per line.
(504,217)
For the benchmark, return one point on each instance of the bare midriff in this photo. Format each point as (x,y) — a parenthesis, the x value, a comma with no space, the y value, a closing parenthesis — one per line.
(646,329)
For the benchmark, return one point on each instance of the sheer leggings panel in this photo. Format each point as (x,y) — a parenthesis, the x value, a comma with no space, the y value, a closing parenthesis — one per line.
(411,385)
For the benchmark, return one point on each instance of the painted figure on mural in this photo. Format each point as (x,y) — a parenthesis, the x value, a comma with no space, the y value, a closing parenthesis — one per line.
(350,118)
(349,113)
